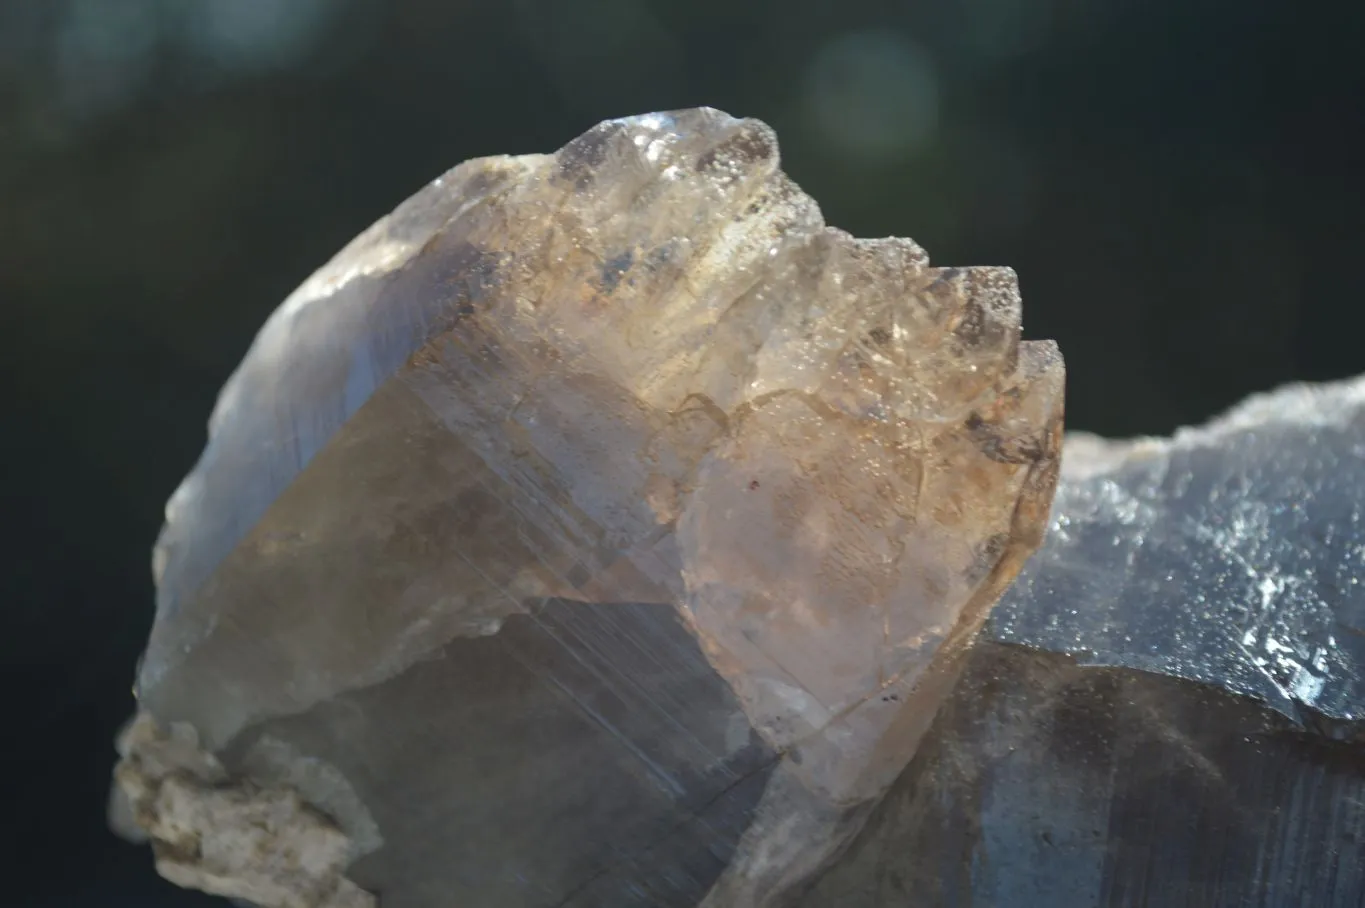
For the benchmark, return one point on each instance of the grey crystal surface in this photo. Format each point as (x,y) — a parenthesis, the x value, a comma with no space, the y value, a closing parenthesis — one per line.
(1045,783)
(1232,554)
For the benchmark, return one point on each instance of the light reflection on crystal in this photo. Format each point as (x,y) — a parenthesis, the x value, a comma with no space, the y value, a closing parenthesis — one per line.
(605,509)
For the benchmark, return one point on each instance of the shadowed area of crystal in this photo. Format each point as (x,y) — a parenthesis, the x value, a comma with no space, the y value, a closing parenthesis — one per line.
(624,755)
(600,528)
(1046,783)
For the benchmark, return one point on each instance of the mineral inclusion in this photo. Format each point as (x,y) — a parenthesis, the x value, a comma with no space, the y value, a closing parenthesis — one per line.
(598,529)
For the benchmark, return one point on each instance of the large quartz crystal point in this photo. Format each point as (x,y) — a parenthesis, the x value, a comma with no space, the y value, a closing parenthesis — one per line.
(597,529)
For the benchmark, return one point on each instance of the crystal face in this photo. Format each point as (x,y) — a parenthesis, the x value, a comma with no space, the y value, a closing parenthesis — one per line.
(599,528)
(1230,554)
(1167,708)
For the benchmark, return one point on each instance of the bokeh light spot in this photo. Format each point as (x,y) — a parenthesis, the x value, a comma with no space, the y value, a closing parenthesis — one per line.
(257,34)
(873,93)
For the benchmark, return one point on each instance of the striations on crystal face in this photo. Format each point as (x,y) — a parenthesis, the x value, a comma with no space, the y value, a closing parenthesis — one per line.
(600,528)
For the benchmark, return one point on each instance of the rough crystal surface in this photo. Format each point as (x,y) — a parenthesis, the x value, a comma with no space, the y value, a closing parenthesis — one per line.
(603,525)
(1167,707)
(1230,554)
(230,837)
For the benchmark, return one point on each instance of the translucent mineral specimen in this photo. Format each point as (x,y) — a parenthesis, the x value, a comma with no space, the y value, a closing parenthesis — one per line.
(1229,554)
(600,528)
(1182,718)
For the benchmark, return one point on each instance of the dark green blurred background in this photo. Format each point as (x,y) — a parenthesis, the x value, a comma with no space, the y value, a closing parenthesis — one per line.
(1178,182)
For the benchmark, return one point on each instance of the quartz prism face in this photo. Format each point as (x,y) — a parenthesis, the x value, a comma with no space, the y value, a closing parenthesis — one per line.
(610,499)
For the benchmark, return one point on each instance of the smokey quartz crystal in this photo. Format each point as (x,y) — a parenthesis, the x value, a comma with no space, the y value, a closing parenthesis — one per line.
(598,529)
